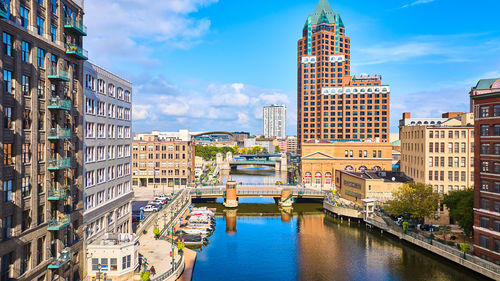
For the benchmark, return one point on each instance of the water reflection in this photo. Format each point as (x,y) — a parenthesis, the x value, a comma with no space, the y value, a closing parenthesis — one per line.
(258,175)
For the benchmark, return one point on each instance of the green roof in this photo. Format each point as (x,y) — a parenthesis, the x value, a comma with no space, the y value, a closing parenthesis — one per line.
(324,14)
(396,143)
(486,83)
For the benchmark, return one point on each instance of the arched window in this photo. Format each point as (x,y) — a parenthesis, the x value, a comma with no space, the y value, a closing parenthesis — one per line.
(376,169)
(307,178)
(349,168)
(328,178)
(317,178)
(111,90)
(362,168)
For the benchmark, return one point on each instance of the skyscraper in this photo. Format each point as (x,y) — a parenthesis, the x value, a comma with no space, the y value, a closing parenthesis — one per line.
(274,121)
(40,213)
(332,104)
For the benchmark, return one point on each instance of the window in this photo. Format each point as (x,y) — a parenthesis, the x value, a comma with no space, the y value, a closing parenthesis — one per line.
(24,14)
(25,85)
(485,166)
(8,158)
(485,130)
(7,44)
(53,33)
(484,111)
(484,241)
(7,81)
(25,55)
(41,90)
(8,121)
(484,222)
(496,110)
(485,185)
(125,262)
(485,148)
(496,187)
(113,264)
(496,130)
(39,25)
(7,228)
(26,153)
(484,204)
(95,264)
(53,6)
(7,190)
(40,58)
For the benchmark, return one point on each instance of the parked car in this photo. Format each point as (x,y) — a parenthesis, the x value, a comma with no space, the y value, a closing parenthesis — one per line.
(151,208)
(157,201)
(162,197)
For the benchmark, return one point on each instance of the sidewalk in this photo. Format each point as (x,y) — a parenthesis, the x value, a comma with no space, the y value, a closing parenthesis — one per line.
(189,260)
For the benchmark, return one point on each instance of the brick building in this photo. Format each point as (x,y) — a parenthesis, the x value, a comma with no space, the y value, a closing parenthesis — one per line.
(332,104)
(41,70)
(485,103)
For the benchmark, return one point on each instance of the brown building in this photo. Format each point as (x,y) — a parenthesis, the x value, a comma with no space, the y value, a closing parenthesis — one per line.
(321,159)
(485,103)
(332,104)
(41,66)
(355,186)
(162,163)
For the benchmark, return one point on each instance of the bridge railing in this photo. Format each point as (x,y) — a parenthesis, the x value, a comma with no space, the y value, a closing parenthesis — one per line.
(219,191)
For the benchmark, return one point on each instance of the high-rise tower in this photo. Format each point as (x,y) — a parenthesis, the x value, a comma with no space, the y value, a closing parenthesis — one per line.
(332,104)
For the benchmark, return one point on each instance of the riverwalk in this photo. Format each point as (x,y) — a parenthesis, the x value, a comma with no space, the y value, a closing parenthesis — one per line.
(386,225)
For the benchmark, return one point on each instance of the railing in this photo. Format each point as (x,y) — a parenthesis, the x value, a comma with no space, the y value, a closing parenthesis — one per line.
(60,74)
(58,193)
(77,50)
(63,258)
(218,191)
(59,103)
(4,9)
(78,25)
(171,271)
(59,223)
(56,164)
(59,133)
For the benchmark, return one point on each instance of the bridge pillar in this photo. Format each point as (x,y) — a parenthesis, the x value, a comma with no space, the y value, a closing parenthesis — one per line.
(286,214)
(231,200)
(230,220)
(284,163)
(286,198)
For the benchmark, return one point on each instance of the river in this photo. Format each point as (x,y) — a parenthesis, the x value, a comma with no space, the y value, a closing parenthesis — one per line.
(262,243)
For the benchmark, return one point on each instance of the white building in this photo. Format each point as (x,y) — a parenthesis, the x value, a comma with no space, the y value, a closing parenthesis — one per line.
(274,121)
(107,192)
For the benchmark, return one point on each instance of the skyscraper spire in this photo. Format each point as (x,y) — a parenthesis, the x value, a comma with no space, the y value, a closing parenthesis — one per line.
(323,5)
(323,13)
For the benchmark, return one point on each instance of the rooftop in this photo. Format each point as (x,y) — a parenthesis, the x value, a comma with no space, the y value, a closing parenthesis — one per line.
(115,239)
(324,14)
(490,83)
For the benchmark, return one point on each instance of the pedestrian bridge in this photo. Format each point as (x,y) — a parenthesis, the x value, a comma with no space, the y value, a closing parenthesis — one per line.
(257,191)
(271,163)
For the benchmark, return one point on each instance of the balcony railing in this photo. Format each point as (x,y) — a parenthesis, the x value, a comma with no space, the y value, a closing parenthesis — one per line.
(77,51)
(58,103)
(59,74)
(76,26)
(58,223)
(64,257)
(59,133)
(55,194)
(59,164)
(4,9)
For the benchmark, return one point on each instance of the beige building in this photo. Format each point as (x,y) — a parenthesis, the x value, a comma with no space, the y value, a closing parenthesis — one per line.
(162,163)
(355,186)
(321,159)
(441,155)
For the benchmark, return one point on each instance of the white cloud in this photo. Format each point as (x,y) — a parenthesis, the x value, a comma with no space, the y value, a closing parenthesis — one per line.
(243,120)
(140,112)
(418,2)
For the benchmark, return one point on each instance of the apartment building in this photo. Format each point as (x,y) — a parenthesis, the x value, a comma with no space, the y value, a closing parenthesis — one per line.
(41,69)
(291,144)
(162,163)
(485,103)
(321,159)
(274,121)
(332,104)
(107,192)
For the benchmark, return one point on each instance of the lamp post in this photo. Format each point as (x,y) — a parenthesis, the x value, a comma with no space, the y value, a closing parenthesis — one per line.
(99,266)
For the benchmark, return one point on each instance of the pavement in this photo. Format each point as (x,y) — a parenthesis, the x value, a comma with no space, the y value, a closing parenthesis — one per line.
(189,261)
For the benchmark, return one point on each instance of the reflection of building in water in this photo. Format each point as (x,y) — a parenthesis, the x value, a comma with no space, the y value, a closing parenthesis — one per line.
(286,214)
(230,220)
(255,176)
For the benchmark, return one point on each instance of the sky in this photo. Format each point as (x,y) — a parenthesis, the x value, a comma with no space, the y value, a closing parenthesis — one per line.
(208,65)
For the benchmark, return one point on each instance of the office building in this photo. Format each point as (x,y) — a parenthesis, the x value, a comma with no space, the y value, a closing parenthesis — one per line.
(162,163)
(107,193)
(41,69)
(291,143)
(485,103)
(332,104)
(321,159)
(274,121)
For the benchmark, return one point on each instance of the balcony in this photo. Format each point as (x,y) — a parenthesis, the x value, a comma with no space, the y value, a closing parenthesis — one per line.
(76,26)
(59,75)
(77,51)
(59,134)
(59,164)
(55,194)
(58,103)
(4,9)
(64,258)
(62,221)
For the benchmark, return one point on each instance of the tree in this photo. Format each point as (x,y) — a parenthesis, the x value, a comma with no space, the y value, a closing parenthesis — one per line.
(256,150)
(461,204)
(236,149)
(277,149)
(414,200)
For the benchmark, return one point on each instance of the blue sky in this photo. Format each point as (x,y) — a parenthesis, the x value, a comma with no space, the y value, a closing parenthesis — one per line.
(213,64)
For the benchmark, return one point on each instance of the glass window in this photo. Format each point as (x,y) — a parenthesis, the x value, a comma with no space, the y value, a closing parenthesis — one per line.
(7,81)
(95,264)
(39,25)
(485,222)
(113,264)
(7,189)
(496,110)
(484,241)
(53,31)
(485,185)
(41,56)
(7,44)
(53,6)
(496,130)
(24,14)
(485,148)
(484,111)
(25,51)
(485,130)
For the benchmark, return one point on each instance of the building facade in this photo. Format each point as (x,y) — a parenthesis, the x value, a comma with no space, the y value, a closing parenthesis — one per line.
(291,144)
(107,193)
(274,121)
(41,66)
(440,155)
(485,103)
(321,159)
(162,163)
(332,104)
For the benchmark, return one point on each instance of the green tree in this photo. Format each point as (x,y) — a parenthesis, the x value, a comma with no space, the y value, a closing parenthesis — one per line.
(277,149)
(414,200)
(256,150)
(210,152)
(460,204)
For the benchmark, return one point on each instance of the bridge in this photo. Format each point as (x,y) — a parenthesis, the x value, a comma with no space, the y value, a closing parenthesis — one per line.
(278,161)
